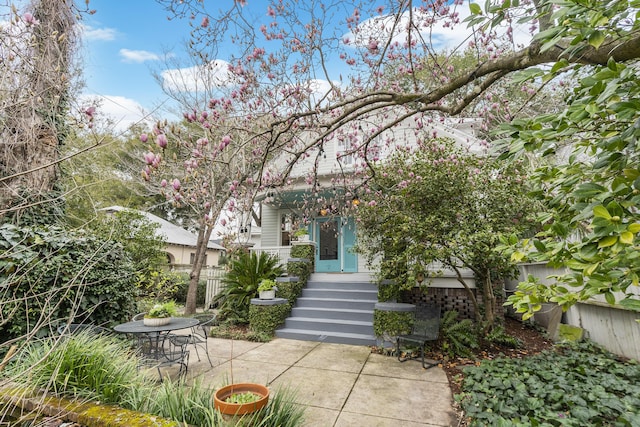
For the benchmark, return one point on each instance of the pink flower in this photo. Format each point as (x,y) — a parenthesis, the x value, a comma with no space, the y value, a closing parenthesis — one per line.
(161,140)
(176,184)
(223,222)
(144,137)
(149,157)
(90,111)
(29,19)
(163,183)
(205,22)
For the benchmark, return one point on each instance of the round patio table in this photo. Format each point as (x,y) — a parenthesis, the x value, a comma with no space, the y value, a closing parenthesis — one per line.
(138,326)
(155,344)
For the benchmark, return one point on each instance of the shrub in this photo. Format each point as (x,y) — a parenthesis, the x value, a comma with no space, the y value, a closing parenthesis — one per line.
(181,286)
(387,324)
(457,337)
(240,284)
(266,318)
(51,274)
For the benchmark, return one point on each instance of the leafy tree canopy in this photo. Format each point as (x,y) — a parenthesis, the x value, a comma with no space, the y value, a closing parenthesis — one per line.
(444,207)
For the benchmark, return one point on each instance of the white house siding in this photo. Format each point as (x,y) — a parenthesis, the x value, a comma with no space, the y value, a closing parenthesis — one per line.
(614,328)
(270,226)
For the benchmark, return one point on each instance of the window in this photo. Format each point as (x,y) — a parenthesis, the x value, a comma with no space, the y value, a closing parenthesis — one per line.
(192,259)
(289,223)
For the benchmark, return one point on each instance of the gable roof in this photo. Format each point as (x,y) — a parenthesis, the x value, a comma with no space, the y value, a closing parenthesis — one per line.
(174,234)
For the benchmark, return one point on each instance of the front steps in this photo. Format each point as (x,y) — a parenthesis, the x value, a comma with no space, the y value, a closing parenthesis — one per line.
(334,308)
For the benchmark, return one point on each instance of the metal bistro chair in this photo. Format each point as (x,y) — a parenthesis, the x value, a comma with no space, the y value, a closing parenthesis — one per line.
(159,350)
(138,316)
(426,327)
(199,335)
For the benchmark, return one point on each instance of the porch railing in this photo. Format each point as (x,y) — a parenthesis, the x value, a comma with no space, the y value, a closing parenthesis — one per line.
(283,253)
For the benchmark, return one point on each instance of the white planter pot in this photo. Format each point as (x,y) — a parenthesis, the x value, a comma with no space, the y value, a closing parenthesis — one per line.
(156,321)
(303,238)
(267,294)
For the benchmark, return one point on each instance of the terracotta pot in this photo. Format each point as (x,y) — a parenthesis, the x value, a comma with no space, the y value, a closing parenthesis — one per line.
(156,321)
(221,395)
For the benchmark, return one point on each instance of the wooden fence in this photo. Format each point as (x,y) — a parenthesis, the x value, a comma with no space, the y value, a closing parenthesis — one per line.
(214,284)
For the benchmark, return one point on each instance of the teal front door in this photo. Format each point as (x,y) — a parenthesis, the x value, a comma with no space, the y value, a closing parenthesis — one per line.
(328,245)
(334,243)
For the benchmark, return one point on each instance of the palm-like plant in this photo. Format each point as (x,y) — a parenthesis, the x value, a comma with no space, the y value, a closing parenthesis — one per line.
(241,283)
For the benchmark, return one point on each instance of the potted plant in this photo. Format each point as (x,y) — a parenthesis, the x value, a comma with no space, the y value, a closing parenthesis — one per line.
(301,235)
(267,289)
(241,398)
(160,314)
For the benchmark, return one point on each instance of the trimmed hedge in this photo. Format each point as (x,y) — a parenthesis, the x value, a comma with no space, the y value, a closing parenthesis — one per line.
(266,318)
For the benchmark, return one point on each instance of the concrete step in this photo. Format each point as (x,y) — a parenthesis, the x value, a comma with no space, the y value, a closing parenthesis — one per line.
(329,325)
(323,336)
(336,303)
(339,293)
(332,313)
(355,286)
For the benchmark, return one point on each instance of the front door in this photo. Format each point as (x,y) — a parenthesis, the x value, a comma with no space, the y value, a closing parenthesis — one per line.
(328,245)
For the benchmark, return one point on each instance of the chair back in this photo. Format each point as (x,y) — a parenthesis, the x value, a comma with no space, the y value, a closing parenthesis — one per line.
(138,316)
(427,321)
(205,321)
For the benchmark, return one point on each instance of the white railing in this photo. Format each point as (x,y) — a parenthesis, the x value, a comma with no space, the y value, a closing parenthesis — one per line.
(283,253)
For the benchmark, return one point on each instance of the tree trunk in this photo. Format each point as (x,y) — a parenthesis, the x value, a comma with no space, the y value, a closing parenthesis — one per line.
(472,297)
(204,233)
(35,114)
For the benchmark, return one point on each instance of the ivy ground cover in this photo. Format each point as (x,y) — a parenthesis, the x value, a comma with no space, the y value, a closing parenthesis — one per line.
(571,385)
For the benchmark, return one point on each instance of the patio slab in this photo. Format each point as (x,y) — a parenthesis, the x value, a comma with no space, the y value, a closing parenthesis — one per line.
(339,385)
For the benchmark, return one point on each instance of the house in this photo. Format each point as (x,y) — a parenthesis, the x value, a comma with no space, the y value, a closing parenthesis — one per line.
(181,243)
(282,211)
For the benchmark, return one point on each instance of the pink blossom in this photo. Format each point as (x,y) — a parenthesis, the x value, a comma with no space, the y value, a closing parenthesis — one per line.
(205,22)
(149,157)
(372,203)
(223,222)
(176,184)
(163,183)
(161,140)
(90,111)
(29,19)
(144,137)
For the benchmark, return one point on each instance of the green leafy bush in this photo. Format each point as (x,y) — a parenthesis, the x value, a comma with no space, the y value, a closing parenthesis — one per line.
(266,318)
(392,323)
(457,337)
(572,385)
(51,274)
(240,284)
(181,286)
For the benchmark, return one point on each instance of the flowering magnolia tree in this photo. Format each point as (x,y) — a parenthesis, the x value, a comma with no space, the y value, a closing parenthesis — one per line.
(444,206)
(322,67)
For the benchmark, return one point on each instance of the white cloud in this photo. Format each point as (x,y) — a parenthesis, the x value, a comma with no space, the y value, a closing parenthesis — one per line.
(197,78)
(123,112)
(103,34)
(138,56)
(433,28)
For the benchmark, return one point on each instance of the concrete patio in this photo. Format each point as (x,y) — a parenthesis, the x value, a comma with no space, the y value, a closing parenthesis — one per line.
(340,385)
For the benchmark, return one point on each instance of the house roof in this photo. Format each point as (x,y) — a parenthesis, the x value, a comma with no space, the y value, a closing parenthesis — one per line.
(174,234)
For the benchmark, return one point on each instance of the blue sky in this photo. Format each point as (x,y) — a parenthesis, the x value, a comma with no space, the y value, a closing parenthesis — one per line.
(126,41)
